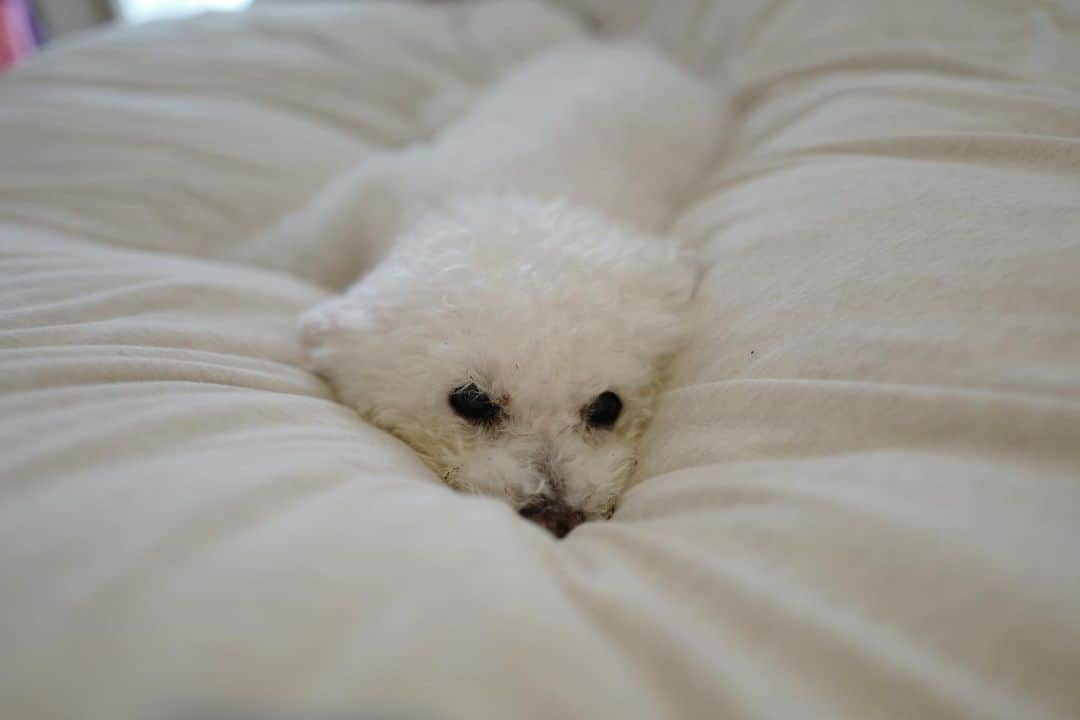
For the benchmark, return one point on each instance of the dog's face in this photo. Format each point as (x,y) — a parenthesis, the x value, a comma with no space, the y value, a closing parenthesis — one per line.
(516,346)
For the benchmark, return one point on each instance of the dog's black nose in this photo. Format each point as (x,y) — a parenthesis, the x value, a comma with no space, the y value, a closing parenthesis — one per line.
(554,515)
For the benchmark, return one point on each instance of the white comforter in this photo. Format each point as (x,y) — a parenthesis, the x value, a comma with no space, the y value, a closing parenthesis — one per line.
(861,495)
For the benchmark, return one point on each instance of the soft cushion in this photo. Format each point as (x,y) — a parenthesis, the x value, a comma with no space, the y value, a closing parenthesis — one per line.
(860,496)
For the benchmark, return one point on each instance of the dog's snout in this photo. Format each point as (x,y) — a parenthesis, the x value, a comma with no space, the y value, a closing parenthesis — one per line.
(554,515)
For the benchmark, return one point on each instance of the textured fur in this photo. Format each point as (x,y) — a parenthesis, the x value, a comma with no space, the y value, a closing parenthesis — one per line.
(519,252)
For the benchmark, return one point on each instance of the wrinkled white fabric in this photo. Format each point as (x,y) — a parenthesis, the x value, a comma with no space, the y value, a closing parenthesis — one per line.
(861,494)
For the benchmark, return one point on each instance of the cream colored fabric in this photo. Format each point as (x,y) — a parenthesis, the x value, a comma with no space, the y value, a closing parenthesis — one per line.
(861,496)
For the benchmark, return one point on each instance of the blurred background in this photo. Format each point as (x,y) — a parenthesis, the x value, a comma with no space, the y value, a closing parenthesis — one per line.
(26,25)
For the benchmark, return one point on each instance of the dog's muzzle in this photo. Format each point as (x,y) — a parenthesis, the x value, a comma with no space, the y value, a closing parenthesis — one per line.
(554,515)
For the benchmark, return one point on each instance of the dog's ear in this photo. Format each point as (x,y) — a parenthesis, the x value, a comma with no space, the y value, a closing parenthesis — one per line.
(673,274)
(338,319)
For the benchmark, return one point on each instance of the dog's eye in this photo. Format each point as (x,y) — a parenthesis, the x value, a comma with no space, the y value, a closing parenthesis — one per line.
(473,404)
(604,410)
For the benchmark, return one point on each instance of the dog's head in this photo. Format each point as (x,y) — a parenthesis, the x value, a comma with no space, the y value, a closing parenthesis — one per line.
(516,346)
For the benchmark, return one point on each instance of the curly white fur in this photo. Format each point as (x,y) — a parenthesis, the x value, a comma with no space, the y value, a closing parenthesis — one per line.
(519,253)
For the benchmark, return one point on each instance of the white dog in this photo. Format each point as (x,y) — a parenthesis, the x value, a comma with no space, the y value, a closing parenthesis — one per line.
(516,325)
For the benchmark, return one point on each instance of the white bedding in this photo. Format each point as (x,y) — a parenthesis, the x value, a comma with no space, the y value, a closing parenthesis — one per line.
(860,497)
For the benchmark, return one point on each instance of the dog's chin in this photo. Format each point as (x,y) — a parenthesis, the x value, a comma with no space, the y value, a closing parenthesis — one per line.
(525,489)
(494,476)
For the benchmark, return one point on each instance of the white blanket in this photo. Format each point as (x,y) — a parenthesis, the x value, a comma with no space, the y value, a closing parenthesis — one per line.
(860,497)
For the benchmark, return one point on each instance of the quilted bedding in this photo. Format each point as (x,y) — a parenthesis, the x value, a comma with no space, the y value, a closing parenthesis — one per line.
(861,494)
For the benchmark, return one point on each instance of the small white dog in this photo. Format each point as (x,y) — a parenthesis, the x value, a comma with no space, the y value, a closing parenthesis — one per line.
(516,325)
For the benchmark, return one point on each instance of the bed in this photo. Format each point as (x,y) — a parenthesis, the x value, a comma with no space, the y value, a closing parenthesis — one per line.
(860,496)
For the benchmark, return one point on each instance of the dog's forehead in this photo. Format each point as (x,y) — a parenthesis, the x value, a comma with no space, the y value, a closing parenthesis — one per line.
(556,380)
